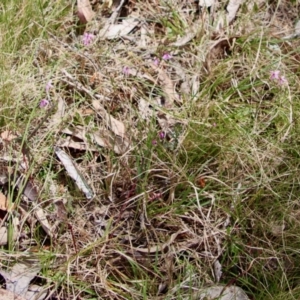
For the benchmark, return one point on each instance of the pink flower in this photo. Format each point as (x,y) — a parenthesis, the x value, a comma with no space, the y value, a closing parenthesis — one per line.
(87,38)
(126,70)
(161,135)
(275,75)
(167,56)
(156,61)
(282,80)
(44,103)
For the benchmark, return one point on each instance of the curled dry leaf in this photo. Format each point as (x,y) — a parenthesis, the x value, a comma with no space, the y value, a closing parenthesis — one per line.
(3,202)
(41,217)
(85,12)
(217,270)
(232,9)
(167,87)
(116,126)
(74,173)
(8,136)
(27,187)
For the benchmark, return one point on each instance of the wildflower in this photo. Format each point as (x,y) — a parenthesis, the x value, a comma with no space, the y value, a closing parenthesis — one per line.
(44,103)
(126,70)
(87,38)
(49,86)
(154,142)
(282,80)
(162,135)
(275,75)
(156,61)
(167,56)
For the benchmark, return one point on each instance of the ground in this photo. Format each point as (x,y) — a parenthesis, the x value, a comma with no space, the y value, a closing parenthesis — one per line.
(150,148)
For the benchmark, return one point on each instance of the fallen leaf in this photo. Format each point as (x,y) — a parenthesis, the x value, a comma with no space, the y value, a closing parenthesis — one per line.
(27,187)
(115,125)
(59,114)
(74,173)
(85,12)
(145,111)
(3,202)
(18,278)
(206,3)
(61,210)
(217,270)
(3,232)
(222,293)
(40,215)
(232,9)
(8,136)
(112,31)
(77,132)
(167,86)
(35,292)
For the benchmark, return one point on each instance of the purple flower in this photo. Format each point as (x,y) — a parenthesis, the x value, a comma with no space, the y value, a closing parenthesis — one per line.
(275,75)
(154,142)
(87,38)
(126,70)
(162,135)
(44,103)
(282,80)
(167,56)
(49,86)
(156,61)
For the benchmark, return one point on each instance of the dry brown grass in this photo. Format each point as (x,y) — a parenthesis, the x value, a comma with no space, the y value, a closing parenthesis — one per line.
(222,185)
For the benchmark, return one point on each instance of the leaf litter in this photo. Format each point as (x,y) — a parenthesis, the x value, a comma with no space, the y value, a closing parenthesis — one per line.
(129,234)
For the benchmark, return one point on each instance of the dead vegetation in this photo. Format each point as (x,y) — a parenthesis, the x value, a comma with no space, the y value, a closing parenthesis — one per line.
(147,153)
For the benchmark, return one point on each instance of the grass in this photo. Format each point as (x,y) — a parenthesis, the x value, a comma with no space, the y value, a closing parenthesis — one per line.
(223,184)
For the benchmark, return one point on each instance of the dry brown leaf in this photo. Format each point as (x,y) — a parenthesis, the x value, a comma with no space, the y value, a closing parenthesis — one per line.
(116,126)
(167,86)
(8,136)
(59,114)
(3,202)
(79,133)
(85,12)
(61,210)
(40,215)
(27,188)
